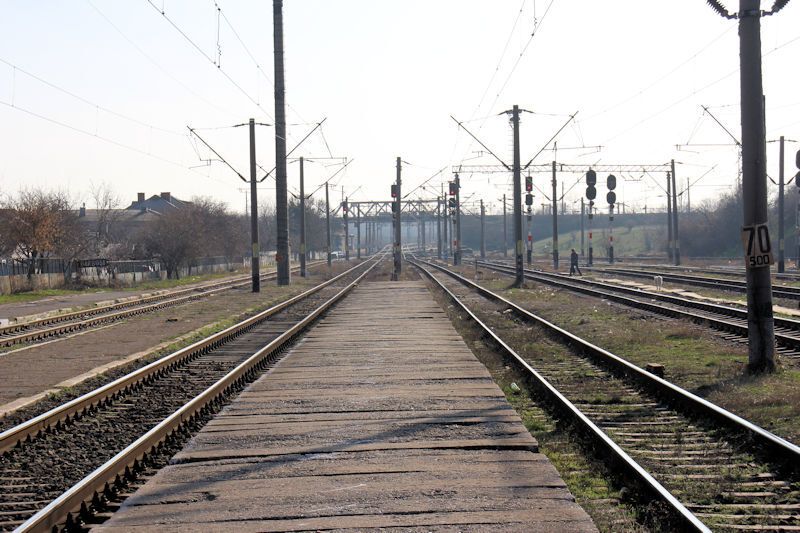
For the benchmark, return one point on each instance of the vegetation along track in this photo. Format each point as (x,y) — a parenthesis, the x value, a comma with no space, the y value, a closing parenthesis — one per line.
(704,463)
(43,329)
(732,321)
(76,456)
(725,284)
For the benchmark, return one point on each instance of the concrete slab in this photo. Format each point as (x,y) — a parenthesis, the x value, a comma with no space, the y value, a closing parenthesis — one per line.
(381,418)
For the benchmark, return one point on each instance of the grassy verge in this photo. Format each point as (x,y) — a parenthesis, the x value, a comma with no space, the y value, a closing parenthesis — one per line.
(696,358)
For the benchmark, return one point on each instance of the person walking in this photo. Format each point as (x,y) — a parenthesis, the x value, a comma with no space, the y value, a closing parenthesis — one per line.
(573,263)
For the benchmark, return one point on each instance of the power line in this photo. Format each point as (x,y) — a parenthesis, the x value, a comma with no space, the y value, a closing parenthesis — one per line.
(89,102)
(98,136)
(209,58)
(155,63)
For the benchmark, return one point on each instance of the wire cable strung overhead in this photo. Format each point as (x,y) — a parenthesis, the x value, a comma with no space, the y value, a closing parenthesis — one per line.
(210,59)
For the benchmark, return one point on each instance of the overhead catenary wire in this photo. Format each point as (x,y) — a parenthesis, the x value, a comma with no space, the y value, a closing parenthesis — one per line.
(88,102)
(209,58)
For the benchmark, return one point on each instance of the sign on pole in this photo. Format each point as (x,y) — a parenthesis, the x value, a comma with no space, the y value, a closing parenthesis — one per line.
(757,246)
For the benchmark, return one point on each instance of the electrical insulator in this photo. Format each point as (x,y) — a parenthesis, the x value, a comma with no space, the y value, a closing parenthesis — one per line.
(528,183)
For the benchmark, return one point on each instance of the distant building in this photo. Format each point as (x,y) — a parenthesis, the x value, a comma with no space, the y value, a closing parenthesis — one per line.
(158,203)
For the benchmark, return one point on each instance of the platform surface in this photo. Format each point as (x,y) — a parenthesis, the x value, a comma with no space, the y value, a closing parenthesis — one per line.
(380,418)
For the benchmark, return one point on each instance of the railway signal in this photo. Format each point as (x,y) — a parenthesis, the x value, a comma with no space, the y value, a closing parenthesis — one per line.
(394,191)
(611,198)
(591,181)
(528,183)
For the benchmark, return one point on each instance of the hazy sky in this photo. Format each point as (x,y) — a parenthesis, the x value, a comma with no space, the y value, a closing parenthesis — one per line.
(387,75)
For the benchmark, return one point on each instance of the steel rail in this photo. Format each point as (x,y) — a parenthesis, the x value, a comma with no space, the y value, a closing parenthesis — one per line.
(77,498)
(610,292)
(722,271)
(29,429)
(129,308)
(792,293)
(688,520)
(789,452)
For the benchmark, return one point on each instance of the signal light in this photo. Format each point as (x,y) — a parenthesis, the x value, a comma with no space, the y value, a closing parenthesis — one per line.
(344,207)
(591,192)
(452,203)
(611,182)
(528,199)
(591,178)
(453,188)
(611,197)
(528,183)
(394,190)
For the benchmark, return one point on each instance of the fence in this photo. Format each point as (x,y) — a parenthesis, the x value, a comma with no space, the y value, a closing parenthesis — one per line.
(49,273)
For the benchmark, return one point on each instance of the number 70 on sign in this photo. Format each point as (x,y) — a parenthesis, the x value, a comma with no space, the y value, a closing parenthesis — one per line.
(757,246)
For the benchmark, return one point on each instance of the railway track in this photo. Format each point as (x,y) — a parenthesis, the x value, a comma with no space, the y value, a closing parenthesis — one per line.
(735,272)
(75,460)
(731,321)
(705,464)
(790,293)
(46,328)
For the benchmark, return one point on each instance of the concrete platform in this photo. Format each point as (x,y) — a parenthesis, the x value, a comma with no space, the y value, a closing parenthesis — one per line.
(380,418)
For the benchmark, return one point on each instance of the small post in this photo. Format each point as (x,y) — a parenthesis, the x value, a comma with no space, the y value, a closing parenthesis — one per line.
(590,217)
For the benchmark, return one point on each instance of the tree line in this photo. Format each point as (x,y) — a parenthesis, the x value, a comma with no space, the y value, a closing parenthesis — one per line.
(38,224)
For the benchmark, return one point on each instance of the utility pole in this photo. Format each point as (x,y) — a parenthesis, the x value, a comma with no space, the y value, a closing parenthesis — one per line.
(328,224)
(590,217)
(422,230)
(688,198)
(555,219)
(505,228)
(256,250)
(781,254)
(397,234)
(447,245)
(457,251)
(438,227)
(519,278)
(483,231)
(583,208)
(302,222)
(281,201)
(669,217)
(677,252)
(346,231)
(760,321)
(358,232)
